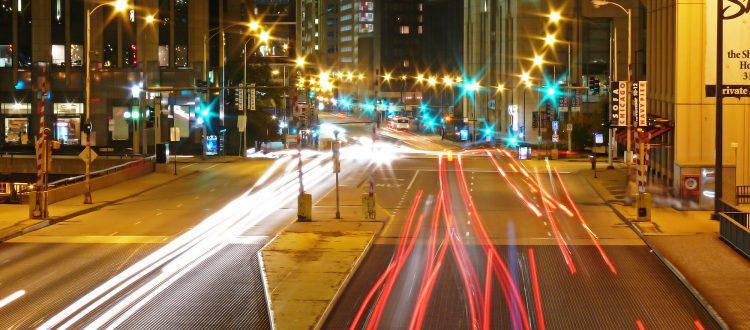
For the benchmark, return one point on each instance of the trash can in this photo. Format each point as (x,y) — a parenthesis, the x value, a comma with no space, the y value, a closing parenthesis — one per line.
(162,153)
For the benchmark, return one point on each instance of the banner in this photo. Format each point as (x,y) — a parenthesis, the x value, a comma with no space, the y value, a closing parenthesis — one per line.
(736,50)
(618,101)
(642,118)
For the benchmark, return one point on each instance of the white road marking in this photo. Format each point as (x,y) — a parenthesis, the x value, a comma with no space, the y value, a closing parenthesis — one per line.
(412,180)
(9,299)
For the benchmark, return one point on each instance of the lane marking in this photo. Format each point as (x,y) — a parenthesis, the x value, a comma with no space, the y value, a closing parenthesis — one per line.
(212,166)
(92,239)
(9,299)
(414,178)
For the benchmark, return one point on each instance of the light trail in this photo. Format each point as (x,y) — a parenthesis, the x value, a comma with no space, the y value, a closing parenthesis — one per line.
(11,298)
(639,325)
(537,293)
(561,243)
(185,251)
(585,225)
(534,209)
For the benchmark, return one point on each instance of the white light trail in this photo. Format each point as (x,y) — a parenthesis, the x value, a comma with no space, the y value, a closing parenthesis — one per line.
(9,299)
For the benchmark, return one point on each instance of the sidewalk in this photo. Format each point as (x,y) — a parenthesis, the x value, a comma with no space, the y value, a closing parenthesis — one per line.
(690,243)
(15,221)
(307,266)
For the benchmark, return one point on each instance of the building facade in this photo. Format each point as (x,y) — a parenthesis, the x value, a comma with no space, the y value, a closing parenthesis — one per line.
(166,55)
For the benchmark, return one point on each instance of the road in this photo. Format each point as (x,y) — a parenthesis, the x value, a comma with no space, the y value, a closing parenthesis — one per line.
(479,241)
(61,263)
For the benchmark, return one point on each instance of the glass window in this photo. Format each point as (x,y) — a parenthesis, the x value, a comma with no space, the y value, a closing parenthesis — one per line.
(163,55)
(76,55)
(67,130)
(58,25)
(366,28)
(182,120)
(181,33)
(6,56)
(77,23)
(109,38)
(130,50)
(15,108)
(6,24)
(24,33)
(404,29)
(16,130)
(120,128)
(58,55)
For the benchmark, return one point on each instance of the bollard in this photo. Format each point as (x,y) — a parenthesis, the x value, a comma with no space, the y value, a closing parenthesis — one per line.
(304,208)
(643,205)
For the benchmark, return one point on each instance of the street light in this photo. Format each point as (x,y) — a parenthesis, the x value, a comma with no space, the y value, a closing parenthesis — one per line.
(538,60)
(119,6)
(554,17)
(597,4)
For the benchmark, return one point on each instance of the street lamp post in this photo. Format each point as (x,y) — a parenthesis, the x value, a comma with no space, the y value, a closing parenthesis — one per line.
(119,5)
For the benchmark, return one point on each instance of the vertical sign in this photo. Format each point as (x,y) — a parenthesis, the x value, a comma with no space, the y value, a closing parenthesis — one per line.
(241,98)
(252,97)
(642,104)
(576,103)
(563,103)
(736,52)
(618,101)
(513,112)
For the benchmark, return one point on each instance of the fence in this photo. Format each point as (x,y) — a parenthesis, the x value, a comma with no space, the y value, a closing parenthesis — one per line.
(734,227)
(743,194)
(99,173)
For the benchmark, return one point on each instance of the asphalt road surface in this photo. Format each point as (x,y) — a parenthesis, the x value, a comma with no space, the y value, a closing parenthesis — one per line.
(477,244)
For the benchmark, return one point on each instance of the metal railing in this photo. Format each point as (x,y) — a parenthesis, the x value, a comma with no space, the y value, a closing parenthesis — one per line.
(725,207)
(102,172)
(743,194)
(734,229)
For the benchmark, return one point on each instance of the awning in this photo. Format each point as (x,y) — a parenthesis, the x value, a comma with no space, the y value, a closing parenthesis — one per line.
(646,134)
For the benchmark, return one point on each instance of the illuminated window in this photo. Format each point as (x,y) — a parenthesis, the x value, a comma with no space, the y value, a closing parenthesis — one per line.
(404,29)
(58,55)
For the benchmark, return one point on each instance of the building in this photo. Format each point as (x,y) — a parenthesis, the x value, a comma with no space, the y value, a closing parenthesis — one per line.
(127,49)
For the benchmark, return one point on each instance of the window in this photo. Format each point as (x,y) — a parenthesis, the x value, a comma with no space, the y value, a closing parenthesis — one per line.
(406,63)
(129,42)
(346,7)
(76,55)
(346,28)
(365,6)
(346,60)
(181,33)
(366,17)
(346,49)
(6,33)
(366,28)
(419,29)
(77,23)
(346,17)
(109,39)
(404,29)
(346,38)
(58,55)
(163,55)
(17,130)
(24,33)
(120,128)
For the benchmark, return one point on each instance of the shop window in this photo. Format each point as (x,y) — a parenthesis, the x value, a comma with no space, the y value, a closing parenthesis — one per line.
(67,130)
(76,55)
(17,130)
(120,129)
(182,120)
(6,56)
(58,55)
(24,33)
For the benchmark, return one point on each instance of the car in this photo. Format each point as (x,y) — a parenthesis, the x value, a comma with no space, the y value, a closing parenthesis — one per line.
(400,123)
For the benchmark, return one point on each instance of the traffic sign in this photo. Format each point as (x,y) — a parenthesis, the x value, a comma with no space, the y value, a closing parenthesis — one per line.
(555,138)
(569,127)
(88,153)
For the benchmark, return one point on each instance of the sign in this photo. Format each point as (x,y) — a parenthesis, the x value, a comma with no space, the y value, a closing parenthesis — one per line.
(491,104)
(212,145)
(16,108)
(241,98)
(563,103)
(598,138)
(618,101)
(252,97)
(174,134)
(524,153)
(569,127)
(691,184)
(86,154)
(464,134)
(576,104)
(68,108)
(555,138)
(241,122)
(513,113)
(642,113)
(736,52)
(555,125)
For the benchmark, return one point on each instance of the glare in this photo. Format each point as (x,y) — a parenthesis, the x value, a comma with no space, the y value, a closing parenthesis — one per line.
(525,77)
(432,81)
(420,78)
(538,60)
(447,80)
(121,5)
(254,26)
(275,72)
(554,17)
(403,77)
(500,87)
(135,91)
(150,19)
(265,37)
(472,86)
(549,39)
(387,77)
(299,62)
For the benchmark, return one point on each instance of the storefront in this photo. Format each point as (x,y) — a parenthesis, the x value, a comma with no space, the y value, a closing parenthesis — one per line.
(67,122)
(16,119)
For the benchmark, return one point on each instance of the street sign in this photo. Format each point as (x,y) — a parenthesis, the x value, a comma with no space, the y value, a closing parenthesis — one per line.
(598,138)
(241,98)
(241,122)
(618,100)
(569,127)
(174,134)
(555,125)
(555,138)
(86,154)
(252,97)
(491,104)
(563,103)
(576,103)
(642,117)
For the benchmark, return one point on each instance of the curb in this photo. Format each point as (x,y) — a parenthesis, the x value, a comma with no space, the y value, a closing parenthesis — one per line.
(676,272)
(58,219)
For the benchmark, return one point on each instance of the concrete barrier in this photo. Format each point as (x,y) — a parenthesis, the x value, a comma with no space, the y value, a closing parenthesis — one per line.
(79,188)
